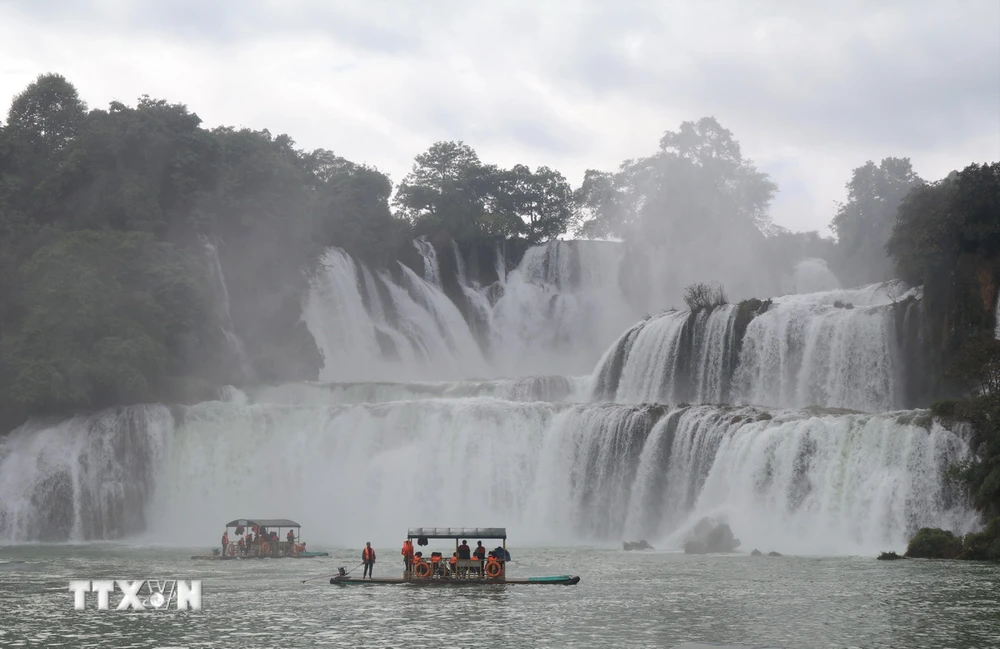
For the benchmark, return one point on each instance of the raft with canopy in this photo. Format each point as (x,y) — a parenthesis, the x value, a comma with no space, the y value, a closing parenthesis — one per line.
(441,570)
(270,541)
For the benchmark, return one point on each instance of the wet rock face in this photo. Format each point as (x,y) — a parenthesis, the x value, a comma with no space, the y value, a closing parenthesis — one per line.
(637,545)
(709,536)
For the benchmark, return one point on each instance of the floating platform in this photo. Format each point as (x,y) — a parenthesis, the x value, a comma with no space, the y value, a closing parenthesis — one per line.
(560,580)
(300,555)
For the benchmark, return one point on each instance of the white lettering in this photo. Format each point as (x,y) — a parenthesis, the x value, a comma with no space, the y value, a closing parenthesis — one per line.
(103,589)
(130,592)
(79,590)
(189,595)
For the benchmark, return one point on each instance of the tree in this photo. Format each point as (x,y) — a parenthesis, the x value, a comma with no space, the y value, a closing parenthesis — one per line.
(938,223)
(539,203)
(447,189)
(695,209)
(704,295)
(47,114)
(863,224)
(102,312)
(697,183)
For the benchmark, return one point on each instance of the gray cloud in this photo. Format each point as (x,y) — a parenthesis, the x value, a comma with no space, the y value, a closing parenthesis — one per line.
(811,90)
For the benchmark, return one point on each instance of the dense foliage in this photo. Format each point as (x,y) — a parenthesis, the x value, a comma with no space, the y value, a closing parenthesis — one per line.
(864,222)
(106,292)
(109,220)
(450,191)
(947,237)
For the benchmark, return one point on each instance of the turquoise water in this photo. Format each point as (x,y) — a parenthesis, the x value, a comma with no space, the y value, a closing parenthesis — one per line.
(625,599)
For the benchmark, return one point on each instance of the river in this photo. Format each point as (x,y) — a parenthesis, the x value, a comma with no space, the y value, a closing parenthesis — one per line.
(625,599)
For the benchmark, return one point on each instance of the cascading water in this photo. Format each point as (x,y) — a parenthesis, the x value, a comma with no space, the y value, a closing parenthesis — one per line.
(794,481)
(235,343)
(432,272)
(555,459)
(426,335)
(834,349)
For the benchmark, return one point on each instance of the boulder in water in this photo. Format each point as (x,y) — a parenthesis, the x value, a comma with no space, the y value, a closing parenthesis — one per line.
(772,553)
(756,553)
(641,544)
(711,537)
(890,556)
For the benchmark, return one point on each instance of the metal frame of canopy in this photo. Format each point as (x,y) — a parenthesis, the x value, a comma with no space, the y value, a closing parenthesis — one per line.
(457,533)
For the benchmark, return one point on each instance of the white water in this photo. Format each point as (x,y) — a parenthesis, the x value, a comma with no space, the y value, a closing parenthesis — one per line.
(549,472)
(996,318)
(432,272)
(827,349)
(398,434)
(235,343)
(427,335)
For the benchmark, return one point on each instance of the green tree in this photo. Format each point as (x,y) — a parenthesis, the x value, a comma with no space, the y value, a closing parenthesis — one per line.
(448,189)
(539,203)
(47,114)
(697,184)
(102,311)
(864,223)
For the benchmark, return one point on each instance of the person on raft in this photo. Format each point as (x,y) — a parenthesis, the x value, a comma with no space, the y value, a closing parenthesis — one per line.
(368,558)
(407,553)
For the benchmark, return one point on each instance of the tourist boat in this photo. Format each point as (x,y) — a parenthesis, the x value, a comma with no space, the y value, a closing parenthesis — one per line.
(268,543)
(431,572)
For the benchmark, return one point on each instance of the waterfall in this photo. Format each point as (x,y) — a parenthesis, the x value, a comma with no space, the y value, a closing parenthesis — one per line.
(996,318)
(803,350)
(432,272)
(560,308)
(84,478)
(235,344)
(789,480)
(424,335)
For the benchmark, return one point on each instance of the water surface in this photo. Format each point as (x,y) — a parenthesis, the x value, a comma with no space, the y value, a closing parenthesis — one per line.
(633,599)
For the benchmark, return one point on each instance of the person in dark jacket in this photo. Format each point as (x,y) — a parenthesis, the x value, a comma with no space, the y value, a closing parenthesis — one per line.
(368,558)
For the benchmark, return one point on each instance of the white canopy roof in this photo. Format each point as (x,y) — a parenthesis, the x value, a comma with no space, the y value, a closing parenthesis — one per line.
(458,532)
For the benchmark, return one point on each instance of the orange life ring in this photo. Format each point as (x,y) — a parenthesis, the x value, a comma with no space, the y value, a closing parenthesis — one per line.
(493,569)
(422,569)
(264,547)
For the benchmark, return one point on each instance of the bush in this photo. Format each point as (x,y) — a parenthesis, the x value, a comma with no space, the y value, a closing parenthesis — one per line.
(934,543)
(944,408)
(704,295)
(985,545)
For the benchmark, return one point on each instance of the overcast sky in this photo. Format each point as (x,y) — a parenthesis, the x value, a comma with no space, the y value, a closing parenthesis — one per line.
(810,89)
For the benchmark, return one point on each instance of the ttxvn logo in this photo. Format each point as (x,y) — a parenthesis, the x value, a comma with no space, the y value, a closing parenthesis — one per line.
(139,595)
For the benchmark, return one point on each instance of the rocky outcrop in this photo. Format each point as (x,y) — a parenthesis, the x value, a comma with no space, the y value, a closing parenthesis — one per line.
(708,537)
(637,545)
(934,543)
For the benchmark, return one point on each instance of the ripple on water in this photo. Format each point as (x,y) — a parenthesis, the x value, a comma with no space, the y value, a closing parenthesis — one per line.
(649,599)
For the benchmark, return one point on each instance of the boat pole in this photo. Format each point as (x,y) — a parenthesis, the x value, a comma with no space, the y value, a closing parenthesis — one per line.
(336,574)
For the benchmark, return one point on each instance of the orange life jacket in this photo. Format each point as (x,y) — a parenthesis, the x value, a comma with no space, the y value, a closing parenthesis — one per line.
(407,549)
(367,554)
(225,539)
(453,560)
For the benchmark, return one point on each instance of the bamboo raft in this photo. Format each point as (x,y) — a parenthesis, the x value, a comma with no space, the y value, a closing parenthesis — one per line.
(565,580)
(491,571)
